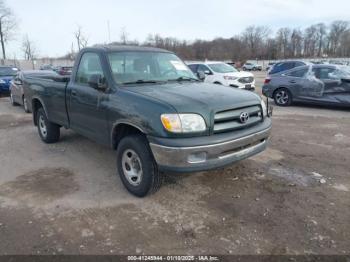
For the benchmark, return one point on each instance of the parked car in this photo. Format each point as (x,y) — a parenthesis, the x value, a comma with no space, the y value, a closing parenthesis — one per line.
(251,67)
(224,74)
(6,75)
(317,84)
(147,105)
(63,70)
(47,67)
(286,65)
(18,85)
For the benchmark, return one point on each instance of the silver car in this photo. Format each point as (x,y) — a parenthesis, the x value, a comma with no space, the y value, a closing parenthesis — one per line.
(317,84)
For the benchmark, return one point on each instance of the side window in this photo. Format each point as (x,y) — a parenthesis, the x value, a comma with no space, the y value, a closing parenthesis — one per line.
(203,68)
(193,68)
(296,64)
(89,65)
(324,73)
(298,73)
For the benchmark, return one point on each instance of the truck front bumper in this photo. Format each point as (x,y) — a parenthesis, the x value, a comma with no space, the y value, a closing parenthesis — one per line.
(210,156)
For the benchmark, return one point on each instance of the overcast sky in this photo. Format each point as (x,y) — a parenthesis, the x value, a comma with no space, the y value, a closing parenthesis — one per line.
(50,24)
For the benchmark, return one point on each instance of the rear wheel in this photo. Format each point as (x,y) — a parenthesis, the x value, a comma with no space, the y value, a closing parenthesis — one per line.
(25,105)
(283,97)
(13,103)
(48,131)
(136,166)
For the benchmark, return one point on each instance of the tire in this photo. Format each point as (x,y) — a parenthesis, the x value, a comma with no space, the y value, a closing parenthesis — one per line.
(25,105)
(217,83)
(134,156)
(283,97)
(48,131)
(13,103)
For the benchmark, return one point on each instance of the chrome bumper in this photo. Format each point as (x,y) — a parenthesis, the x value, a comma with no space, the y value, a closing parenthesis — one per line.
(200,158)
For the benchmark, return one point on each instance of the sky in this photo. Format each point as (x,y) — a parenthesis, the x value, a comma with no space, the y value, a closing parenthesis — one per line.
(50,24)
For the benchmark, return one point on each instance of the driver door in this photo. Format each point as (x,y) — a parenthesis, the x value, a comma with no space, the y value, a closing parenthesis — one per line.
(87,111)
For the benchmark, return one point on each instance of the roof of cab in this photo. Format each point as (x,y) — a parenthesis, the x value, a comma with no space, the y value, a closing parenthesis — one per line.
(125,48)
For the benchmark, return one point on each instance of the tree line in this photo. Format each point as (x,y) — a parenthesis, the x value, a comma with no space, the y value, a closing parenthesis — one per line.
(259,42)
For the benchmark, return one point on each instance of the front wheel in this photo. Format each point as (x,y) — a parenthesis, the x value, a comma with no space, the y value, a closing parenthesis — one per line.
(136,166)
(48,131)
(283,97)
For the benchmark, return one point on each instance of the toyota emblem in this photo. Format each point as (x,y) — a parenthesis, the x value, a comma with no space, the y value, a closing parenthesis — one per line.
(244,117)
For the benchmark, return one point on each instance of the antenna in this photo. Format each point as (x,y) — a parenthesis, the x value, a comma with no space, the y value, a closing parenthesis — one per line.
(109,32)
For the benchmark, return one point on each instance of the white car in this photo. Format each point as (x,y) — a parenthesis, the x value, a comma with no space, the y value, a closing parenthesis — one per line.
(252,67)
(223,74)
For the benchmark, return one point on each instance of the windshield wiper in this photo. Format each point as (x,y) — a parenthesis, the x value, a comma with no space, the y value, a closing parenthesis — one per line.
(184,78)
(142,82)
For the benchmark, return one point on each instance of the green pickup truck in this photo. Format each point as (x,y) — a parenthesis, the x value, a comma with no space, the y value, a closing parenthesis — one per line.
(147,105)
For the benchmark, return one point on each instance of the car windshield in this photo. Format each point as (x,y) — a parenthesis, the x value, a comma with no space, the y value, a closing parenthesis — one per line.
(222,68)
(341,72)
(145,67)
(8,71)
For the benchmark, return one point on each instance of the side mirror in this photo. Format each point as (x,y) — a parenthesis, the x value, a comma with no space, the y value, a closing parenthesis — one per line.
(97,82)
(207,72)
(201,75)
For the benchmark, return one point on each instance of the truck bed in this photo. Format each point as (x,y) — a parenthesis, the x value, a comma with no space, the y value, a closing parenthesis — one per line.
(53,90)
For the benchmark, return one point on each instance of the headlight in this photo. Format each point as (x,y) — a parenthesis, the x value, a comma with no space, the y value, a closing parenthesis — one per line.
(2,81)
(230,78)
(264,108)
(183,123)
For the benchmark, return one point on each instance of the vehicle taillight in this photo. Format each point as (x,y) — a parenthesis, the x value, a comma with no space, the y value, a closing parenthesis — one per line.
(267,80)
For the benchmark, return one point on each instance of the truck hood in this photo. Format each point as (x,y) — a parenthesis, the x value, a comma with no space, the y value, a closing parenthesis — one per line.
(201,98)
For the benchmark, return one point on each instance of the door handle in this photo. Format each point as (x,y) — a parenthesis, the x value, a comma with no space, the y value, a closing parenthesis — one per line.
(74,93)
(292,81)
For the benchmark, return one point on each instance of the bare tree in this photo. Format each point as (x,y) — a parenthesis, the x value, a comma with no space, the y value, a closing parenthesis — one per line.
(255,38)
(124,36)
(321,30)
(82,41)
(8,24)
(28,48)
(337,29)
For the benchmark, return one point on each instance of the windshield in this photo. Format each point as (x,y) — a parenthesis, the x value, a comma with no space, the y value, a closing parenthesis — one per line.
(222,68)
(341,72)
(8,71)
(139,67)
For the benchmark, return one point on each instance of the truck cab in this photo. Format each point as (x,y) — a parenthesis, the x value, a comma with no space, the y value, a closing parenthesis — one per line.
(147,105)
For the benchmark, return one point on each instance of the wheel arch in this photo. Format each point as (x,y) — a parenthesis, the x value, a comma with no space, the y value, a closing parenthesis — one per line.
(36,104)
(123,129)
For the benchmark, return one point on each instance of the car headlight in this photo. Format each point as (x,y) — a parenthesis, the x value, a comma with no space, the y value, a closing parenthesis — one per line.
(183,123)
(264,108)
(2,81)
(230,78)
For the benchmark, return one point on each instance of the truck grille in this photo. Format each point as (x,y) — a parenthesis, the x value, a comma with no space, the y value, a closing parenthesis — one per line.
(229,120)
(246,80)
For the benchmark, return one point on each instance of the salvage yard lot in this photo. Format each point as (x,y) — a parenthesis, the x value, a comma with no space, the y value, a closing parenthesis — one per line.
(65,198)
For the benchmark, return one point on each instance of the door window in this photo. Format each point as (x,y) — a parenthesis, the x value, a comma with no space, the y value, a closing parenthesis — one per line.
(203,68)
(298,73)
(89,65)
(324,73)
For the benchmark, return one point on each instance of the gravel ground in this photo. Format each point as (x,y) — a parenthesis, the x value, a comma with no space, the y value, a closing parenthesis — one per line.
(67,199)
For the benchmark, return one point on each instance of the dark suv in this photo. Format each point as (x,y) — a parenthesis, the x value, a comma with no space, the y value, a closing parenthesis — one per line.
(286,65)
